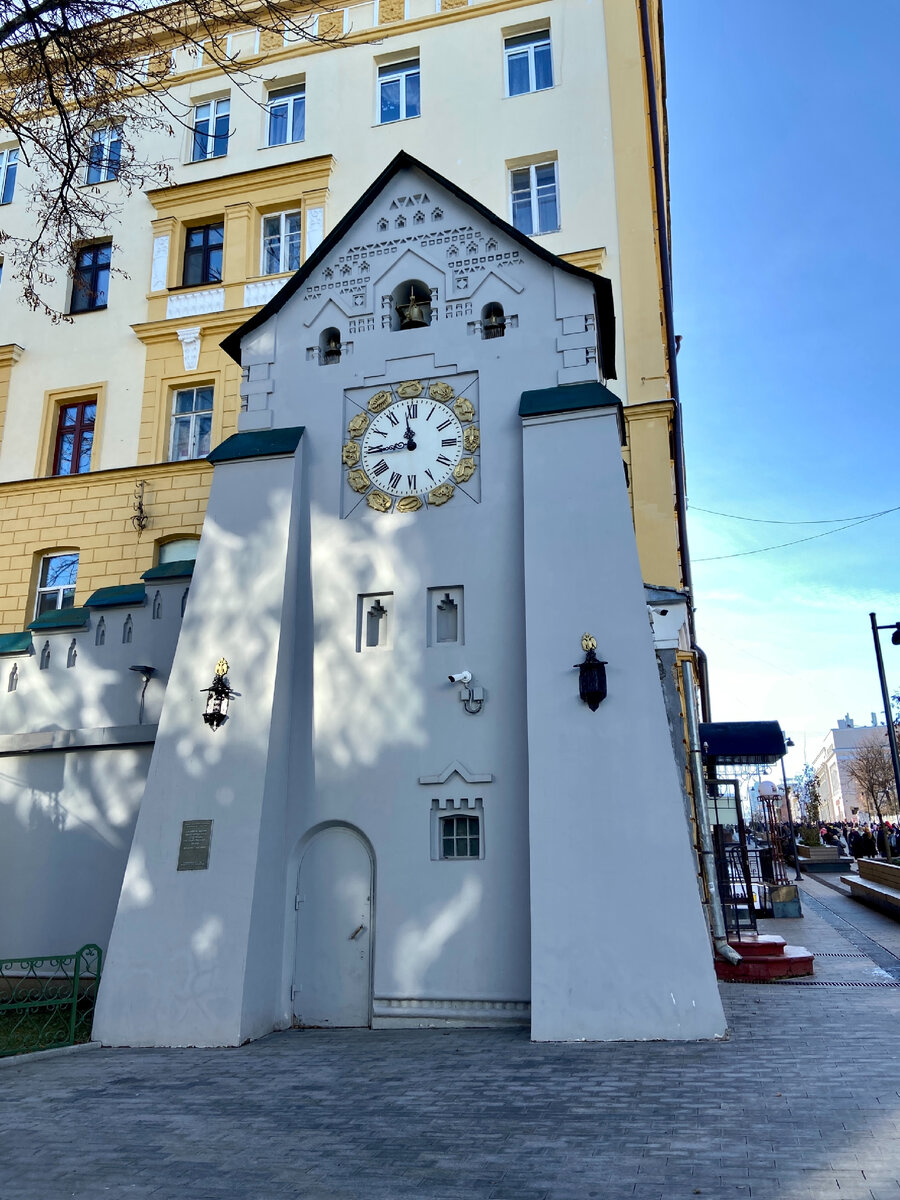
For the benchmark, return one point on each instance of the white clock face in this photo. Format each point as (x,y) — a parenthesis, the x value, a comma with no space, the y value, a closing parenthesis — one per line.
(412,446)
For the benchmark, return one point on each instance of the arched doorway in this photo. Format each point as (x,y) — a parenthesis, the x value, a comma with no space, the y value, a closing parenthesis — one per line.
(332,967)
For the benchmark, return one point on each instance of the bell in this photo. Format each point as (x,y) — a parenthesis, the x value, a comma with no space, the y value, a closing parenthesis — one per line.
(333,349)
(494,323)
(412,313)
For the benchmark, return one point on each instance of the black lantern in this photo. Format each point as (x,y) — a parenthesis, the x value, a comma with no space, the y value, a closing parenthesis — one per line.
(218,697)
(414,311)
(591,674)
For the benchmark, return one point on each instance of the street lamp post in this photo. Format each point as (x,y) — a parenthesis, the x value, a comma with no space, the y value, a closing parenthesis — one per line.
(787,800)
(886,699)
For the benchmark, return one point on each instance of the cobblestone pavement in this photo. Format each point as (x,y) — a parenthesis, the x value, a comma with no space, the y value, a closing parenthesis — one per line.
(802,1101)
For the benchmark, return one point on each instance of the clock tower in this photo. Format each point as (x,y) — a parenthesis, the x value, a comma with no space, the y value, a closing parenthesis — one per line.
(416,818)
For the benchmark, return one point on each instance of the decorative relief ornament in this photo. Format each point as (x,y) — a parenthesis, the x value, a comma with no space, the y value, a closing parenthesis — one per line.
(464,470)
(380,401)
(409,504)
(409,390)
(379,501)
(222,667)
(588,642)
(350,454)
(358,425)
(464,409)
(358,480)
(441,391)
(472,439)
(440,494)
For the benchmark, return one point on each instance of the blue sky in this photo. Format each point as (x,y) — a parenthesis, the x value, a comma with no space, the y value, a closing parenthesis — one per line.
(784,128)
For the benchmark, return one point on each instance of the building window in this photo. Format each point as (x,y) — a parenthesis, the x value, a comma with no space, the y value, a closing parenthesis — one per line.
(191,423)
(74,438)
(534,196)
(9,161)
(210,130)
(529,64)
(460,837)
(180,550)
(203,254)
(90,282)
(286,116)
(56,583)
(398,91)
(281,234)
(106,154)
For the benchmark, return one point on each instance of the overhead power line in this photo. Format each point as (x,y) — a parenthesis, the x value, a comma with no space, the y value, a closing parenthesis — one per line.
(771,521)
(796,542)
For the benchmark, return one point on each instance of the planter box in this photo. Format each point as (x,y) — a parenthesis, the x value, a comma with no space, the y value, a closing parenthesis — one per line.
(820,853)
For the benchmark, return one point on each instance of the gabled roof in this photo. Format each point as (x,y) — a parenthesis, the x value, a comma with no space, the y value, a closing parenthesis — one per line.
(606,321)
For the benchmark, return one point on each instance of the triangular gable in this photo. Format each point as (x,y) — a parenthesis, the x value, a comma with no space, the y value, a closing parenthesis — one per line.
(602,287)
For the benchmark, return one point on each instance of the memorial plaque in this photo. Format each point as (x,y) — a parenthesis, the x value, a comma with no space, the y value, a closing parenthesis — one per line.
(193,853)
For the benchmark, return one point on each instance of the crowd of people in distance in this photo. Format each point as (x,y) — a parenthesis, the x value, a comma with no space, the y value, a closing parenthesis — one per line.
(880,839)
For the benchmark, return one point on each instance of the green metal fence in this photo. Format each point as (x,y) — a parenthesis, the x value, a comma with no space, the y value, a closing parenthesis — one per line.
(48,1002)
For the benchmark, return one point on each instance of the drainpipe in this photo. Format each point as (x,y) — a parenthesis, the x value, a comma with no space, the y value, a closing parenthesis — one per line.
(665,262)
(701,807)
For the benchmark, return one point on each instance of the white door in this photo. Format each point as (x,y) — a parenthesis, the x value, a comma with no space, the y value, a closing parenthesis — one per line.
(334,916)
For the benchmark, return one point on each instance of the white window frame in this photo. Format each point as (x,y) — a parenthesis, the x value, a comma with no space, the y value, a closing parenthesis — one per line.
(534,197)
(191,418)
(219,107)
(287,95)
(107,137)
(8,158)
(516,44)
(398,73)
(442,810)
(57,590)
(283,242)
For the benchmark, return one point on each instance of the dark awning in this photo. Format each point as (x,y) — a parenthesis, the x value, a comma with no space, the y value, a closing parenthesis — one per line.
(742,742)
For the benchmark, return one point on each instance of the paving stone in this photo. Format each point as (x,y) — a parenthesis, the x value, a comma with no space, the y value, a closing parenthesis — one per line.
(801,1102)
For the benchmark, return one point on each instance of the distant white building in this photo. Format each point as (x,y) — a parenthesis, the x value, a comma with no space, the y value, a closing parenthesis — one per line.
(839,795)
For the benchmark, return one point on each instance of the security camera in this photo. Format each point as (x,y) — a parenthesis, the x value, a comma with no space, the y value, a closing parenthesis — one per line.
(462,677)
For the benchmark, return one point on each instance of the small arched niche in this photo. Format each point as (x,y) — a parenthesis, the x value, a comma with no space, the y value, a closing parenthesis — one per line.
(411,305)
(330,346)
(493,320)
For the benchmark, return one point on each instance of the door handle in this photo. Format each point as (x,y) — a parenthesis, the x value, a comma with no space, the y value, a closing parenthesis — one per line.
(356,932)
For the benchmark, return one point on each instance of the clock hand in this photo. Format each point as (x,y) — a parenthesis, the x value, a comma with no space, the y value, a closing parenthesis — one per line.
(387,449)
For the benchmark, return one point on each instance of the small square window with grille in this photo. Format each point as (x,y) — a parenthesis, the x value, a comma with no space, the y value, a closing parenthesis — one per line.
(457,829)
(460,837)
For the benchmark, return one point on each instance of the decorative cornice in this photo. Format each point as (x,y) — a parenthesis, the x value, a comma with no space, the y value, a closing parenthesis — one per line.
(220,323)
(62,483)
(461,770)
(234,188)
(10,353)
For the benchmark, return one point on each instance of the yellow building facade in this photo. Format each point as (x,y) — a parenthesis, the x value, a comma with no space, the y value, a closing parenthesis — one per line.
(534,103)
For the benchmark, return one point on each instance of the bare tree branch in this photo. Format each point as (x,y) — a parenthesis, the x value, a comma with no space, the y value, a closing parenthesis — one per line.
(72,68)
(871,770)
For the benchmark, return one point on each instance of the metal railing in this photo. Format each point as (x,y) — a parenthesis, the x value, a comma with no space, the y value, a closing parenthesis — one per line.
(48,1002)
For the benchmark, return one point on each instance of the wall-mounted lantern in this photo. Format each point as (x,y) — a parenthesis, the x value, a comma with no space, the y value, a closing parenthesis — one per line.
(591,674)
(218,696)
